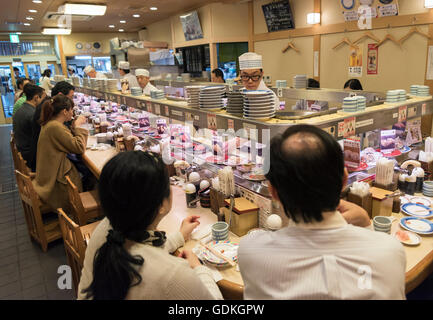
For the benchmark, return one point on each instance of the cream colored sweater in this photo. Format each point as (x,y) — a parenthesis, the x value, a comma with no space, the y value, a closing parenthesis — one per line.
(164,277)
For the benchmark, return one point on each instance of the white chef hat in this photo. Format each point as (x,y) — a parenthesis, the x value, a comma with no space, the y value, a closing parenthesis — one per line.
(250,60)
(123,65)
(88,69)
(141,72)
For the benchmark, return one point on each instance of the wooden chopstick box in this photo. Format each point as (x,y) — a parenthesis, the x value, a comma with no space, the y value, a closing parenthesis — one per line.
(245,216)
(366,202)
(381,206)
(428,169)
(216,200)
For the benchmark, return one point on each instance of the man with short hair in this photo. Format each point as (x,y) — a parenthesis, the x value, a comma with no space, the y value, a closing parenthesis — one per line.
(22,121)
(318,255)
(144,81)
(92,73)
(126,74)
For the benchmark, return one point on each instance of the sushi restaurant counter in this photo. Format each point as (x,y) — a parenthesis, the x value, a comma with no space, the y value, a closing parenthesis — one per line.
(419,258)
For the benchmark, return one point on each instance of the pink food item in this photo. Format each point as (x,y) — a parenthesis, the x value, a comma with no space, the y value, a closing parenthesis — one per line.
(402,235)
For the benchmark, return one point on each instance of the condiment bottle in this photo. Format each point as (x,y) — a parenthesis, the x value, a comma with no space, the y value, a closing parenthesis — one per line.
(411,184)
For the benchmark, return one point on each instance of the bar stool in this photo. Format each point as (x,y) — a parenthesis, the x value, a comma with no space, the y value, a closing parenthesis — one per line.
(85,205)
(41,231)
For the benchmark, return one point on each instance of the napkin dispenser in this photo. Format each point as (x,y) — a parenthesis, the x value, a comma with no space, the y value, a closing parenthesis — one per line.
(245,216)
(381,205)
(366,202)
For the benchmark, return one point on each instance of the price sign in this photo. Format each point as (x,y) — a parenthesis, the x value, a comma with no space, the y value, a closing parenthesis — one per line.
(167,113)
(402,114)
(149,107)
(157,109)
(211,121)
(349,127)
(340,128)
(189,116)
(230,124)
(424,108)
(118,100)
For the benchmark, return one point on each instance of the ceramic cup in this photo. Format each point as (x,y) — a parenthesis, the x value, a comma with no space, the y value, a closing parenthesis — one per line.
(220,231)
(382,224)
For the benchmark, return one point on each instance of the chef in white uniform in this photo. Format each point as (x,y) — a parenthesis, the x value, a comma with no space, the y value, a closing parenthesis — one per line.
(126,74)
(143,80)
(251,74)
(91,73)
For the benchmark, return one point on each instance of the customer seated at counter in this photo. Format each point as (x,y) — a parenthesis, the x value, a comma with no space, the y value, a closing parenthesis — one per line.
(55,142)
(319,255)
(127,258)
(353,84)
(144,81)
(217,76)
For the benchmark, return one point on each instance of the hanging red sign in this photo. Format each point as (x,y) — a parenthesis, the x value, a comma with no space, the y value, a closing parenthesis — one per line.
(372,58)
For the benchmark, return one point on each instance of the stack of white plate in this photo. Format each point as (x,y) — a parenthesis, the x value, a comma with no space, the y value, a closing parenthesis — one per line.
(362,103)
(93,83)
(281,83)
(58,78)
(212,97)
(192,95)
(86,82)
(112,85)
(100,84)
(423,91)
(136,91)
(402,95)
(414,89)
(235,103)
(157,94)
(76,81)
(392,96)
(186,77)
(350,104)
(300,81)
(259,104)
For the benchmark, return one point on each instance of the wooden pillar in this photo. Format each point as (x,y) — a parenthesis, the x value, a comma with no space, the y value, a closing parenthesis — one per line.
(213,55)
(426,121)
(62,56)
(251,26)
(317,41)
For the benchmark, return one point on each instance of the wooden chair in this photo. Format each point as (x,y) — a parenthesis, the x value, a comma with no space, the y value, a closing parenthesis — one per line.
(22,167)
(84,205)
(42,232)
(75,246)
(14,151)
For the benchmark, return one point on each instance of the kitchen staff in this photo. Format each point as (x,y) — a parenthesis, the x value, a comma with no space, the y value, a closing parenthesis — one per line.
(143,80)
(250,65)
(91,73)
(125,74)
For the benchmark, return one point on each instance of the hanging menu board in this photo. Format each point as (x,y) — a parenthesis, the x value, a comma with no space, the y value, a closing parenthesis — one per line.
(278,16)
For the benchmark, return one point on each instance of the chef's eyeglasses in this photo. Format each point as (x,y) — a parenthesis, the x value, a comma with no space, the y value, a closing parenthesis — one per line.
(255,77)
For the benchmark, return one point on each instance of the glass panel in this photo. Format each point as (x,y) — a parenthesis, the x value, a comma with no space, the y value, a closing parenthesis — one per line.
(102,64)
(20,73)
(7,91)
(52,67)
(34,71)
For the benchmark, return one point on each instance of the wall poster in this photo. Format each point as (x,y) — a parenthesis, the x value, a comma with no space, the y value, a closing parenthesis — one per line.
(355,62)
(372,58)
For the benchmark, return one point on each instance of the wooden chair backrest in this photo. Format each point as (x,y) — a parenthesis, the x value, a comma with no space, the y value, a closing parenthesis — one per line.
(22,165)
(76,204)
(14,151)
(31,205)
(75,245)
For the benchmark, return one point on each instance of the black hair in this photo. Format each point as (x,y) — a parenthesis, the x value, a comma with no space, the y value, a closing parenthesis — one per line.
(313,83)
(125,70)
(47,73)
(31,90)
(16,69)
(62,87)
(307,171)
(54,106)
(353,84)
(20,82)
(132,188)
(218,73)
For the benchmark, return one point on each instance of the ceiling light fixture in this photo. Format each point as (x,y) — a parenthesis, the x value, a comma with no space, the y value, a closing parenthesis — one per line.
(153,8)
(313,18)
(80,9)
(122,21)
(29,18)
(33,11)
(18,32)
(56,31)
(26,24)
(111,26)
(136,15)
(121,30)
(37,1)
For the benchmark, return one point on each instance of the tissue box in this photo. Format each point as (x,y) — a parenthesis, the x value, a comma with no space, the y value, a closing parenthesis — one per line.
(381,205)
(366,202)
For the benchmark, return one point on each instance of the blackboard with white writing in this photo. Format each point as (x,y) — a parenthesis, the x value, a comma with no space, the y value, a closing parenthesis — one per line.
(278,16)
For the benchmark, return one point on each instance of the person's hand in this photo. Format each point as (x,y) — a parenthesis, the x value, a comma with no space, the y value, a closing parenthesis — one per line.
(189,224)
(80,121)
(192,259)
(354,214)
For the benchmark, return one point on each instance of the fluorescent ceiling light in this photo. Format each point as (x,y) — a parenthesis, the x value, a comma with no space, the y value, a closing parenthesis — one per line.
(29,18)
(153,8)
(56,31)
(121,30)
(33,11)
(428,3)
(83,58)
(83,9)
(18,32)
(37,1)
(136,15)
(313,18)
(111,26)
(26,24)
(122,21)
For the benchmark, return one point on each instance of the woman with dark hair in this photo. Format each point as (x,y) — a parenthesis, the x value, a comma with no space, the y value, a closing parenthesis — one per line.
(45,81)
(217,76)
(55,142)
(127,258)
(353,84)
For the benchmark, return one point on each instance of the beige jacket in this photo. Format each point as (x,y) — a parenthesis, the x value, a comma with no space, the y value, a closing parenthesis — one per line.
(52,165)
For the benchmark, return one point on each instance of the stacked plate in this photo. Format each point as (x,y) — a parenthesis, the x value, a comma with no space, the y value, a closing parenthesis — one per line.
(350,104)
(235,103)
(427,188)
(402,95)
(414,89)
(86,82)
(58,78)
(281,84)
(362,103)
(157,94)
(136,91)
(212,97)
(393,96)
(93,83)
(192,95)
(100,84)
(259,104)
(76,81)
(112,85)
(423,91)
(227,248)
(300,81)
